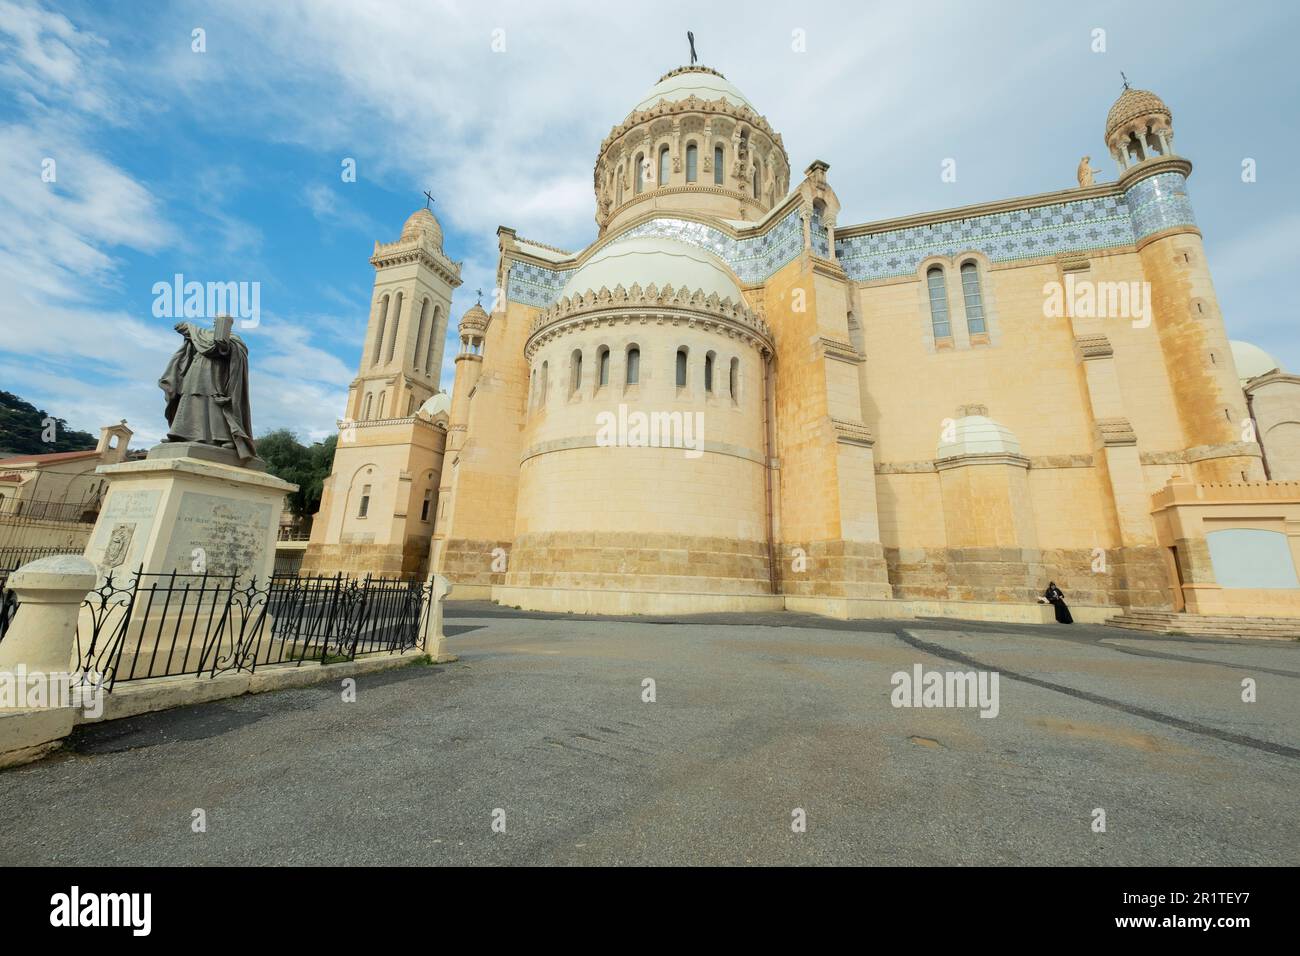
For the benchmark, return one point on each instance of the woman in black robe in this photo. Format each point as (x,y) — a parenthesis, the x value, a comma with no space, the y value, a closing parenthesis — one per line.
(1057,599)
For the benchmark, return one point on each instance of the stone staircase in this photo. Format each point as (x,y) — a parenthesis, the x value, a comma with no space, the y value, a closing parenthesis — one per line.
(1202,625)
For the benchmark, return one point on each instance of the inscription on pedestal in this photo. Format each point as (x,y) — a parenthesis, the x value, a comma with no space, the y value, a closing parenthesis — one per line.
(122,531)
(222,535)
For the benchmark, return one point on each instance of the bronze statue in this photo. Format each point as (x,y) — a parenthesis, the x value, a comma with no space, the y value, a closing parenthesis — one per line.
(206,387)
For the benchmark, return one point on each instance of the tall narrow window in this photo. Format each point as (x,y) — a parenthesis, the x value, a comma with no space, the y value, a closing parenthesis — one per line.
(602,367)
(663,166)
(382,397)
(733,382)
(433,342)
(419,334)
(708,371)
(692,162)
(424,507)
(364,507)
(633,375)
(717,165)
(575,372)
(532,388)
(639,172)
(541,391)
(970,288)
(397,326)
(365,416)
(379,333)
(758,178)
(755,180)
(681,368)
(938,303)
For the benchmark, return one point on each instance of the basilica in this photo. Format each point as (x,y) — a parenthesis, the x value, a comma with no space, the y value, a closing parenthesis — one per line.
(931,415)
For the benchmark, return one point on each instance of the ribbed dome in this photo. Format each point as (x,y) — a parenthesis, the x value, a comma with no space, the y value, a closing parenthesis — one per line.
(474,318)
(422,224)
(1132,104)
(652,259)
(698,81)
(979,435)
(1251,360)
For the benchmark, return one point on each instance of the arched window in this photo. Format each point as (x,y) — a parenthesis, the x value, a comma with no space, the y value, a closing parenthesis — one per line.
(433,342)
(633,375)
(379,334)
(639,173)
(382,397)
(602,366)
(970,289)
(757,178)
(663,166)
(692,162)
(708,371)
(938,303)
(541,392)
(575,371)
(397,325)
(532,387)
(733,381)
(419,333)
(718,163)
(365,415)
(681,367)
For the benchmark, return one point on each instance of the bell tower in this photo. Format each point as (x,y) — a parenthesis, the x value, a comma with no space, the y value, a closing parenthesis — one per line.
(401,359)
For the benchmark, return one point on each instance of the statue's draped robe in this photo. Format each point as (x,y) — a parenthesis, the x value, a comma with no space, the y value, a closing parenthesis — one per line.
(206,386)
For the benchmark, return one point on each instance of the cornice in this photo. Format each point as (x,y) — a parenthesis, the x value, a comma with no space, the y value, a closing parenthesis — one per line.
(651,304)
(1153,167)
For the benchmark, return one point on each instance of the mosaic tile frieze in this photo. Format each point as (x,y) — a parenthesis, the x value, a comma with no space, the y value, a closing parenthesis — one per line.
(1075,226)
(1158,203)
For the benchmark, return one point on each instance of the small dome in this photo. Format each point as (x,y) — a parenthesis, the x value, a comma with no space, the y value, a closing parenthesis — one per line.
(1133,104)
(652,259)
(474,318)
(698,81)
(979,435)
(437,404)
(422,224)
(1251,360)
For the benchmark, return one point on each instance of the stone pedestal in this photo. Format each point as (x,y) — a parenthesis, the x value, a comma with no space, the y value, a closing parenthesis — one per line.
(179,512)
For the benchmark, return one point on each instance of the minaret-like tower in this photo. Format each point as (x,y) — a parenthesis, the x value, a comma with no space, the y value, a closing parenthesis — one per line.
(1186,314)
(401,359)
(469,364)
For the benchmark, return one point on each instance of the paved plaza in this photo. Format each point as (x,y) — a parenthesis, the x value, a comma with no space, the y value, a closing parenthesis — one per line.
(754,717)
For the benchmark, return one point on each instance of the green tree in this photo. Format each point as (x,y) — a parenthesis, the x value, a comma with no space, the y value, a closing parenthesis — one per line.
(23,430)
(307,466)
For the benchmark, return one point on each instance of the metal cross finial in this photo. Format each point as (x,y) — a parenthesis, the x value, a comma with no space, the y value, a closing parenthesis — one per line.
(1125,79)
(690,38)
(428,198)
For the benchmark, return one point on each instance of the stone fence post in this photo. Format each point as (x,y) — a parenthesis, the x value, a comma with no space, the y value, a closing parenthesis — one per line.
(43,633)
(435,644)
(37,652)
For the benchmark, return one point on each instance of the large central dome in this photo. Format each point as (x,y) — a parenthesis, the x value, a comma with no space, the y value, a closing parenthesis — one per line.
(695,145)
(699,81)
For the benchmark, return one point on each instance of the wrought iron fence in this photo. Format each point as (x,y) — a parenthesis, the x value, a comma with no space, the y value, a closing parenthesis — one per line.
(164,625)
(45,509)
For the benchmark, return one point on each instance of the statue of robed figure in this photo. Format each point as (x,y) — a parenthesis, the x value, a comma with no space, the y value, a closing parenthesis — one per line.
(206,387)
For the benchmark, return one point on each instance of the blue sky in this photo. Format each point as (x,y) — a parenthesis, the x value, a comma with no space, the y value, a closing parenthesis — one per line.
(225,165)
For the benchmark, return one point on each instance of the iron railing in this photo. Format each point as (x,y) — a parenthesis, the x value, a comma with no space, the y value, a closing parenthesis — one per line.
(165,625)
(44,509)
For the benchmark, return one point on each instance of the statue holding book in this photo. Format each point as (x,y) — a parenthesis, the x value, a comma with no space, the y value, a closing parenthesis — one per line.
(206,387)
